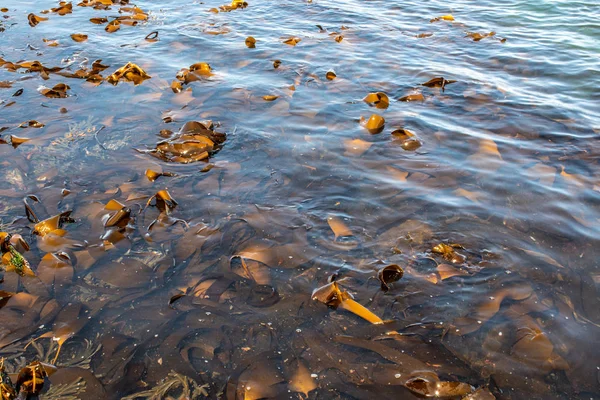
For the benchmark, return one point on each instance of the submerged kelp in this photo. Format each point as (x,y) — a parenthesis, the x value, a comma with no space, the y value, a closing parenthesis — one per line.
(303,199)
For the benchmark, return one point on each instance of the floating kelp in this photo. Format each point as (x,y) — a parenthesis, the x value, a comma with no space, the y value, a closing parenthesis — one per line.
(379,100)
(16,141)
(59,91)
(235,4)
(195,141)
(440,82)
(79,37)
(130,73)
(34,19)
(63,8)
(91,75)
(443,18)
(99,21)
(292,41)
(52,224)
(113,26)
(412,97)
(31,124)
(388,275)
(374,124)
(479,36)
(332,296)
(407,139)
(163,201)
(12,259)
(51,42)
(448,251)
(250,42)
(153,175)
(195,72)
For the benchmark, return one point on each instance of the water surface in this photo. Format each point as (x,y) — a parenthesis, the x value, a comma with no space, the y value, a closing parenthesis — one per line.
(301,193)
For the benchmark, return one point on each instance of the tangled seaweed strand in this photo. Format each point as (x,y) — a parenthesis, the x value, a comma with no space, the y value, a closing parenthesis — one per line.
(188,389)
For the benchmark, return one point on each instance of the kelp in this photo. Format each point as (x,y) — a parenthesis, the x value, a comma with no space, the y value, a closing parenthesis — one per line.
(448,17)
(195,72)
(408,140)
(448,251)
(12,259)
(197,276)
(79,37)
(292,41)
(412,97)
(63,8)
(7,388)
(59,91)
(174,384)
(378,100)
(374,124)
(130,73)
(30,381)
(440,82)
(195,141)
(332,296)
(66,325)
(250,42)
(34,19)
(479,36)
(388,275)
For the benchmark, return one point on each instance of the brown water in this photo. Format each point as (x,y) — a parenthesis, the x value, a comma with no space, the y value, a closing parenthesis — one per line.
(217,288)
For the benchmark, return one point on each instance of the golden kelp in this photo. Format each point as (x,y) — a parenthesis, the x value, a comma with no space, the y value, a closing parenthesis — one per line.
(79,37)
(478,36)
(332,296)
(195,72)
(448,251)
(250,42)
(412,97)
(63,8)
(34,19)
(195,141)
(443,18)
(12,259)
(59,91)
(440,82)
(292,41)
(130,72)
(407,139)
(379,100)
(374,124)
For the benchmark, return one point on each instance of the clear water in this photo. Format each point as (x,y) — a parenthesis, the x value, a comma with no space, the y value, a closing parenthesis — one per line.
(507,168)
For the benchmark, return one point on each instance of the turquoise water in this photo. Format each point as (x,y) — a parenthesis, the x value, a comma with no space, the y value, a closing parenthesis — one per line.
(507,171)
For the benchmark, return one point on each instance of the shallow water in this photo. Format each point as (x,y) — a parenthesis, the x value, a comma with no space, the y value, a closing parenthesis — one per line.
(302,192)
